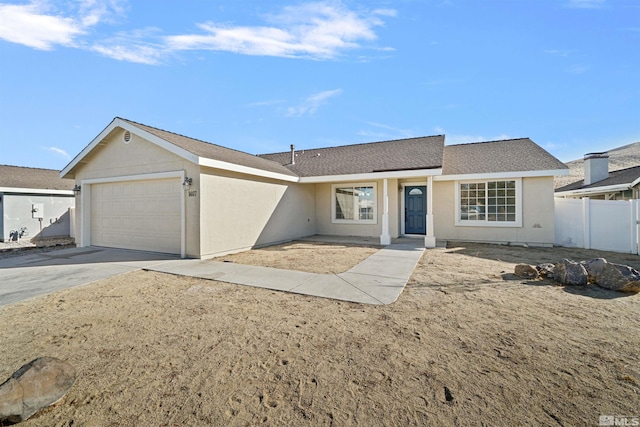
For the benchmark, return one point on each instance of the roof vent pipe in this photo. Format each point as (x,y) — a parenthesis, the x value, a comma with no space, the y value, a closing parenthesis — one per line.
(293,154)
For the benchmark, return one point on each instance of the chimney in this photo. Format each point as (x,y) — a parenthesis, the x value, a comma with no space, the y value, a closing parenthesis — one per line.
(596,167)
(293,154)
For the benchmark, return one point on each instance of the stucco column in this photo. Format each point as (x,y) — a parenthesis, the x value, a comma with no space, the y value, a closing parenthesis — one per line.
(430,237)
(385,237)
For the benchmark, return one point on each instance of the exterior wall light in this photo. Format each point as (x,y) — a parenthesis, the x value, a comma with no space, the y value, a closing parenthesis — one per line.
(187,183)
(77,189)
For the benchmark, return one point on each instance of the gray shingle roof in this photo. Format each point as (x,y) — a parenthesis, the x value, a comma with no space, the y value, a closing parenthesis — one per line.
(510,155)
(619,177)
(23,177)
(396,155)
(213,151)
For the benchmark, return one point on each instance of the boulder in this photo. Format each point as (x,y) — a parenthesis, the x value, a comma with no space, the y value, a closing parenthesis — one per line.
(526,271)
(545,269)
(34,386)
(570,273)
(594,268)
(616,277)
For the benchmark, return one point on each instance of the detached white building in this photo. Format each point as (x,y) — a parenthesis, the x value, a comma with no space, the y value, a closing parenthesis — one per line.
(34,203)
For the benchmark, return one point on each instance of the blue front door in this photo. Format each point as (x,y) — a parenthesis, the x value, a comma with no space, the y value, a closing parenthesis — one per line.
(415,209)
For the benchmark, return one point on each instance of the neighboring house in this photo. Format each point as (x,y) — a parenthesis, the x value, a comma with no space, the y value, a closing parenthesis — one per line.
(34,203)
(599,183)
(149,189)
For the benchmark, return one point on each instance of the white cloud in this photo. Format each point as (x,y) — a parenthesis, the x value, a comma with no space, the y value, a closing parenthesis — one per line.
(40,25)
(315,30)
(390,132)
(30,26)
(586,4)
(59,151)
(577,69)
(312,103)
(452,139)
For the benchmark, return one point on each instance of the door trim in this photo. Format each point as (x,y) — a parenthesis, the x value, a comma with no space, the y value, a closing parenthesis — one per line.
(85,203)
(402,205)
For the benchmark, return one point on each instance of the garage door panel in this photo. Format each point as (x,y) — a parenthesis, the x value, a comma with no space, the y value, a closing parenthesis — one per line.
(144,215)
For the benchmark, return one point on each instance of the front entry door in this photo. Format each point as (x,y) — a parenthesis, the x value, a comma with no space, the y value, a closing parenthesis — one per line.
(415,209)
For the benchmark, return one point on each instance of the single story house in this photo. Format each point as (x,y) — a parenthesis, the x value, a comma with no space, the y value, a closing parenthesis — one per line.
(600,184)
(149,189)
(34,203)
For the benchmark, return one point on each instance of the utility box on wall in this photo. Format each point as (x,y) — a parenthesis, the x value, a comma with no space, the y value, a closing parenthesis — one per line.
(37,210)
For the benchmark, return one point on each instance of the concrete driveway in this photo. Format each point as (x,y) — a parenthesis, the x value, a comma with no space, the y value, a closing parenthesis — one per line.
(36,274)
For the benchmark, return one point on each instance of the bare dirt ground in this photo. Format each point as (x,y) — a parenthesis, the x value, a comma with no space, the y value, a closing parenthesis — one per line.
(311,257)
(466,343)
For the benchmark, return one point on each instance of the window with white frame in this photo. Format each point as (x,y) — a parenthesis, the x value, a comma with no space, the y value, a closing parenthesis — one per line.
(354,203)
(491,203)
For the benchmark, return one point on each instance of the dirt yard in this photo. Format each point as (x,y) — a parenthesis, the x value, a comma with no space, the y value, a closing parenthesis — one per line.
(467,343)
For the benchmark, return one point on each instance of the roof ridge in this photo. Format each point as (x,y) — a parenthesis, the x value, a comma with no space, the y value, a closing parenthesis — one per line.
(31,167)
(489,142)
(355,145)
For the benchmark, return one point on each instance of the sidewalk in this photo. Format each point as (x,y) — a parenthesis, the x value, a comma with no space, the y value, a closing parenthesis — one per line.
(378,279)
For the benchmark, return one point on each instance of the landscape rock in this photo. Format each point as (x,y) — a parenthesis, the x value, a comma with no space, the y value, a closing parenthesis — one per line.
(34,386)
(570,273)
(617,277)
(545,269)
(594,268)
(526,271)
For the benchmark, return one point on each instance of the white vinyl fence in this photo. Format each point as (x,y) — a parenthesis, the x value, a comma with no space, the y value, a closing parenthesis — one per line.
(608,225)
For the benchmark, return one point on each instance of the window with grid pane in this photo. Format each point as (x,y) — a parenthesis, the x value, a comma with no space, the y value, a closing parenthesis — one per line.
(488,202)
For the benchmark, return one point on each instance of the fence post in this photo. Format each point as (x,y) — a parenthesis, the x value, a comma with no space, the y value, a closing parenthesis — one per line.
(635,226)
(586,223)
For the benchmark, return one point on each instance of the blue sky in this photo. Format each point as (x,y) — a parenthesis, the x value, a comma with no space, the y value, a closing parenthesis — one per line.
(261,75)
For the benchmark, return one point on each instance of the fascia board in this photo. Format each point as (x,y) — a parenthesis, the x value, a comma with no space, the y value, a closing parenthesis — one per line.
(16,190)
(232,167)
(117,122)
(419,173)
(501,175)
(595,190)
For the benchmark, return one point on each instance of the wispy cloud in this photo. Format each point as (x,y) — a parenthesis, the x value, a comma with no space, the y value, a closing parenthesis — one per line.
(586,4)
(311,104)
(384,131)
(577,69)
(40,25)
(30,26)
(268,103)
(319,30)
(59,151)
(451,139)
(315,30)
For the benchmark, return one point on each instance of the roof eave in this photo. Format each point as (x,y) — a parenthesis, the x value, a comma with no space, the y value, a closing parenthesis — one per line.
(19,190)
(414,173)
(594,190)
(501,175)
(232,167)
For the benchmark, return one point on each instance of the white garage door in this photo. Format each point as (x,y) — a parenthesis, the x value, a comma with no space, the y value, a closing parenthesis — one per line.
(142,215)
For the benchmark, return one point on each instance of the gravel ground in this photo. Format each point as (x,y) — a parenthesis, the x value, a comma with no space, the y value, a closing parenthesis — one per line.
(24,246)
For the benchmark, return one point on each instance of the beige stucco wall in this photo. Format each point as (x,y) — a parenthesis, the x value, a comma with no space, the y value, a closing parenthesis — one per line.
(239,212)
(537,216)
(324,213)
(114,158)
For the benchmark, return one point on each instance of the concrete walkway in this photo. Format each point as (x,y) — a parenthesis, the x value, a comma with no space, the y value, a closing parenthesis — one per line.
(378,279)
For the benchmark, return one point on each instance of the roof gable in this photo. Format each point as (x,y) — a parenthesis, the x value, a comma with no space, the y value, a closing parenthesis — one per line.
(193,150)
(510,155)
(396,155)
(33,178)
